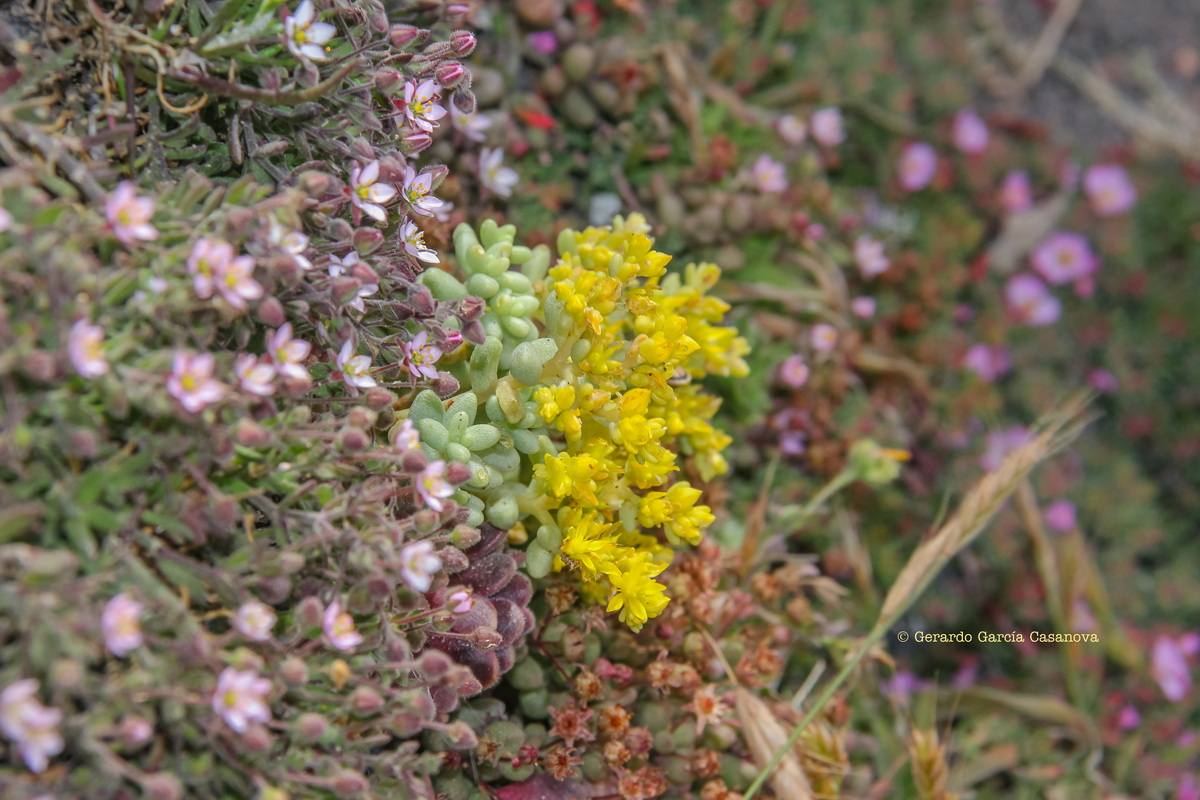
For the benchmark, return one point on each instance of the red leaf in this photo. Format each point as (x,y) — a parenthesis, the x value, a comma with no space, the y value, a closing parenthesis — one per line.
(541,787)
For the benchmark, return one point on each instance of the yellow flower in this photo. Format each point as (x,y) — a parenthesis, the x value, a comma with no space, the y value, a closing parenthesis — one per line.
(588,545)
(635,592)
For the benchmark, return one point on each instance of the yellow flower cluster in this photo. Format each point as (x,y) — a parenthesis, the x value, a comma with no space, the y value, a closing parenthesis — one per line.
(627,404)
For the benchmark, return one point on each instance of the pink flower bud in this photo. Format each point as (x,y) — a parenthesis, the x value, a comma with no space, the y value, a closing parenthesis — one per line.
(446,384)
(451,339)
(309,612)
(463,43)
(361,417)
(365,701)
(161,786)
(415,142)
(473,332)
(270,312)
(379,398)
(352,440)
(426,520)
(464,100)
(251,434)
(309,727)
(414,462)
(453,560)
(257,739)
(460,736)
(366,241)
(465,537)
(449,74)
(348,784)
(345,289)
(461,601)
(403,35)
(294,671)
(388,80)
(457,473)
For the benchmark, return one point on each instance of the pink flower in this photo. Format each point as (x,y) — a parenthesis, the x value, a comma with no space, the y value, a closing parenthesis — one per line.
(1190,643)
(918,164)
(1128,718)
(768,175)
(121,623)
(1060,515)
(793,371)
(1109,189)
(988,362)
(494,175)
(863,306)
(472,125)
(432,486)
(1102,381)
(84,349)
(405,437)
(1063,257)
(340,266)
(870,257)
(31,726)
(206,261)
(6,220)
(255,621)
(1015,193)
(235,284)
(792,129)
(191,381)
(293,243)
(1188,788)
(970,134)
(241,698)
(420,356)
(420,105)
(1030,301)
(824,337)
(414,243)
(305,37)
(543,41)
(417,188)
(129,215)
(368,195)
(792,443)
(827,128)
(460,602)
(288,354)
(355,369)
(1169,667)
(338,627)
(418,563)
(1000,444)
(255,376)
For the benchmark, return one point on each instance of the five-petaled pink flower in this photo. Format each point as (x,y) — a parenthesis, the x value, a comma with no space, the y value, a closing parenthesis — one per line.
(206,261)
(414,243)
(305,36)
(288,354)
(121,624)
(234,283)
(1128,718)
(1016,194)
(294,243)
(460,601)
(339,628)
(793,371)
(1030,301)
(255,621)
(471,125)
(826,126)
(254,376)
(405,437)
(768,175)
(241,698)
(432,486)
(863,306)
(420,356)
(870,256)
(970,134)
(1060,516)
(1000,444)
(355,369)
(1169,667)
(368,195)
(792,129)
(1109,189)
(989,362)
(1063,257)
(28,724)
(494,175)
(191,381)
(418,562)
(83,348)
(340,266)
(824,337)
(917,166)
(129,215)
(421,106)
(417,192)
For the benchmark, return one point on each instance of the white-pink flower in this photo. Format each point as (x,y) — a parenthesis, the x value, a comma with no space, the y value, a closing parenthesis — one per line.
(1000,444)
(1060,515)
(234,283)
(418,188)
(16,698)
(207,259)
(460,601)
(420,356)
(254,376)
(792,129)
(368,195)
(288,354)
(826,126)
(405,437)
(1169,667)
(355,369)
(340,266)
(421,104)
(1030,301)
(418,563)
(917,166)
(970,134)
(129,215)
(1016,194)
(84,349)
(305,36)
(121,624)
(241,698)
(989,362)
(294,243)
(768,175)
(6,220)
(191,381)
(414,243)
(339,628)
(255,621)
(432,486)
(793,371)
(863,306)
(1109,189)
(824,337)
(870,256)
(494,175)
(1063,257)
(472,125)
(31,726)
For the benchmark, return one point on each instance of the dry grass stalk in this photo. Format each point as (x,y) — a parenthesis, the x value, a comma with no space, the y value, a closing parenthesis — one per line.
(825,759)
(929,766)
(765,736)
